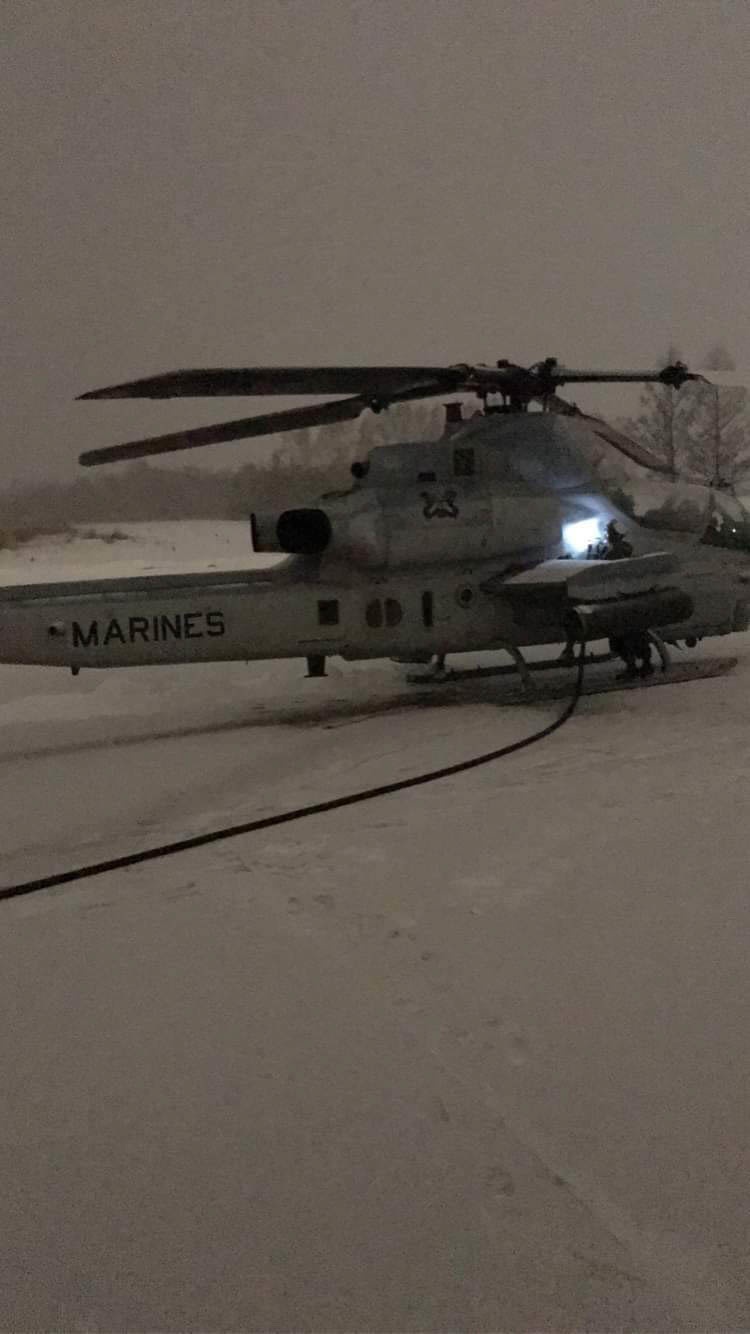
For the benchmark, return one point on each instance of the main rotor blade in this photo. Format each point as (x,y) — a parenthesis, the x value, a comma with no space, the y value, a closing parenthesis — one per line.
(553,403)
(319,414)
(384,383)
(675,375)
(632,448)
(734,379)
(542,379)
(624,443)
(264,381)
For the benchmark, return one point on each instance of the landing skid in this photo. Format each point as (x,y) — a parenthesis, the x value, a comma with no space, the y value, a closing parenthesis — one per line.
(444,676)
(679,673)
(598,679)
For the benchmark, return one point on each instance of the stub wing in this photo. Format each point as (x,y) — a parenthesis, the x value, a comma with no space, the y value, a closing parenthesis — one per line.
(588,580)
(610,598)
(555,588)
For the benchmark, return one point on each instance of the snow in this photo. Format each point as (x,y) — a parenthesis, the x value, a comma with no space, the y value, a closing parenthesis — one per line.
(473,1056)
(109,549)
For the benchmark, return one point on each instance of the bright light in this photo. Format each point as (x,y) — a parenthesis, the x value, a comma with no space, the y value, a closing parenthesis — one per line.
(578,537)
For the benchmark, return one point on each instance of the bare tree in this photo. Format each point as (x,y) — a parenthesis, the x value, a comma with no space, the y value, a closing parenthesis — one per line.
(719,434)
(662,424)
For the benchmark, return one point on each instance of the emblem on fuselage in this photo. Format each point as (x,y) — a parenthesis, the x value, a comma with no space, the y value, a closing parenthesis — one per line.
(439,506)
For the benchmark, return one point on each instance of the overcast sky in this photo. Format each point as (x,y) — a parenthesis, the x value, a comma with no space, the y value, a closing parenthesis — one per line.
(205,182)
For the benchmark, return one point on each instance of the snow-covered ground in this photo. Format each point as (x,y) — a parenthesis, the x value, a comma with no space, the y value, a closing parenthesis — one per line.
(472,1057)
(129,549)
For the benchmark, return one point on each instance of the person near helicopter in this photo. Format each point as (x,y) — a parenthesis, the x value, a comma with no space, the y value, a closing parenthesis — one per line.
(616,545)
(634,649)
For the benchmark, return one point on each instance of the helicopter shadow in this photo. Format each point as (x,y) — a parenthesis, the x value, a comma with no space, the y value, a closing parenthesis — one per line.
(323,714)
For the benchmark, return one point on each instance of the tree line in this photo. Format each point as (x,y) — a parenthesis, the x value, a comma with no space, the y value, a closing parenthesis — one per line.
(702,431)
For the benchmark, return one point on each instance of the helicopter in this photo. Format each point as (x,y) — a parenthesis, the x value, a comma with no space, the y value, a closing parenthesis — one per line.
(492,537)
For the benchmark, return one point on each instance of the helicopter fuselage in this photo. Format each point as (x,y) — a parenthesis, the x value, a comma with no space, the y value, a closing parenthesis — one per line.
(300,611)
(295,611)
(452,546)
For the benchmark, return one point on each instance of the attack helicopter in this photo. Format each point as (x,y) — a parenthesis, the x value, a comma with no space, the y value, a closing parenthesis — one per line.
(488,538)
